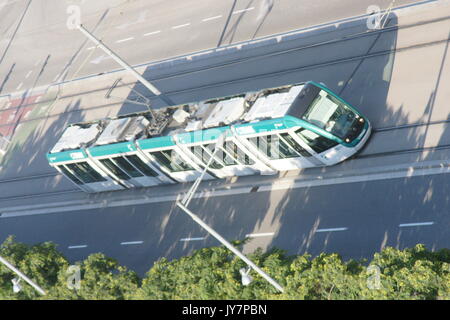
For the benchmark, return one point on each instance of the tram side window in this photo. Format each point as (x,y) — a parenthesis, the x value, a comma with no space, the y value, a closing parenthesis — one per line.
(85,172)
(127,167)
(273,147)
(292,143)
(114,169)
(235,152)
(171,160)
(138,163)
(318,143)
(69,175)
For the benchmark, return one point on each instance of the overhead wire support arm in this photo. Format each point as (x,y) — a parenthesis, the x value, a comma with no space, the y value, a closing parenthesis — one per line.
(124,64)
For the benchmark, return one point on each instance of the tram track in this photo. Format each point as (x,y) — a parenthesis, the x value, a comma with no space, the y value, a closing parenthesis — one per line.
(32,177)
(244,79)
(355,157)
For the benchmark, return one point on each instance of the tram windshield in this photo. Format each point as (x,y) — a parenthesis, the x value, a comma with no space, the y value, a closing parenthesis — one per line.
(332,115)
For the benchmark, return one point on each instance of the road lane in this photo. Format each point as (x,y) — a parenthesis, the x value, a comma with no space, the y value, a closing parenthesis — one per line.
(371,212)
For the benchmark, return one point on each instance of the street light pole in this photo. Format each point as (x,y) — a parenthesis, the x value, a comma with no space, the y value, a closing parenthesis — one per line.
(125,65)
(187,198)
(185,202)
(230,247)
(20,274)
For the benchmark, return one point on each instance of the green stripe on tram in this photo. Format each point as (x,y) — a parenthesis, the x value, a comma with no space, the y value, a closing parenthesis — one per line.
(154,143)
(111,149)
(202,135)
(66,156)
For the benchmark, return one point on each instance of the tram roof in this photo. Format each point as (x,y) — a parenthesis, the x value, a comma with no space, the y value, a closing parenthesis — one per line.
(189,123)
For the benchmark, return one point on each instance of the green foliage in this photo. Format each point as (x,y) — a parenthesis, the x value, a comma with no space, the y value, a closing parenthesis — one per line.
(101,277)
(213,273)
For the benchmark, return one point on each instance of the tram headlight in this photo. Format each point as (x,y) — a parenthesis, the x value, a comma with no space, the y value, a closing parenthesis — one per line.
(330,154)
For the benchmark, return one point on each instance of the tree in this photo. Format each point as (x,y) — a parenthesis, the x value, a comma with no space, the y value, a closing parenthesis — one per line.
(213,273)
(41,263)
(101,277)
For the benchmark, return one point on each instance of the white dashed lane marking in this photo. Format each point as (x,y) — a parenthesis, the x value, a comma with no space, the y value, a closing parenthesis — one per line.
(417,224)
(212,18)
(243,10)
(77,247)
(131,243)
(193,239)
(331,229)
(181,26)
(152,33)
(126,39)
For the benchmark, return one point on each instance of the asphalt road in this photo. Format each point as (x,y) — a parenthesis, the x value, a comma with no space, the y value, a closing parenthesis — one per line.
(354,219)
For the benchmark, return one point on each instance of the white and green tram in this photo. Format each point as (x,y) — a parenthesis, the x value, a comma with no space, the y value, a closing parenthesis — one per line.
(277,129)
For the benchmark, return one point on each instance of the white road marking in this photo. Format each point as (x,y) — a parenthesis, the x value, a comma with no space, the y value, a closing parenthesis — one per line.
(331,229)
(181,25)
(257,235)
(151,33)
(91,48)
(402,225)
(192,239)
(131,243)
(126,39)
(212,18)
(243,10)
(19,86)
(77,247)
(28,74)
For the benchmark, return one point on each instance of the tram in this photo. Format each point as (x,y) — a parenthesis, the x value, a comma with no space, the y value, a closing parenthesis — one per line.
(289,127)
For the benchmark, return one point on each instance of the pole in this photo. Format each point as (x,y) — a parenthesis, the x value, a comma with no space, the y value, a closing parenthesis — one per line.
(20,274)
(230,246)
(190,193)
(125,65)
